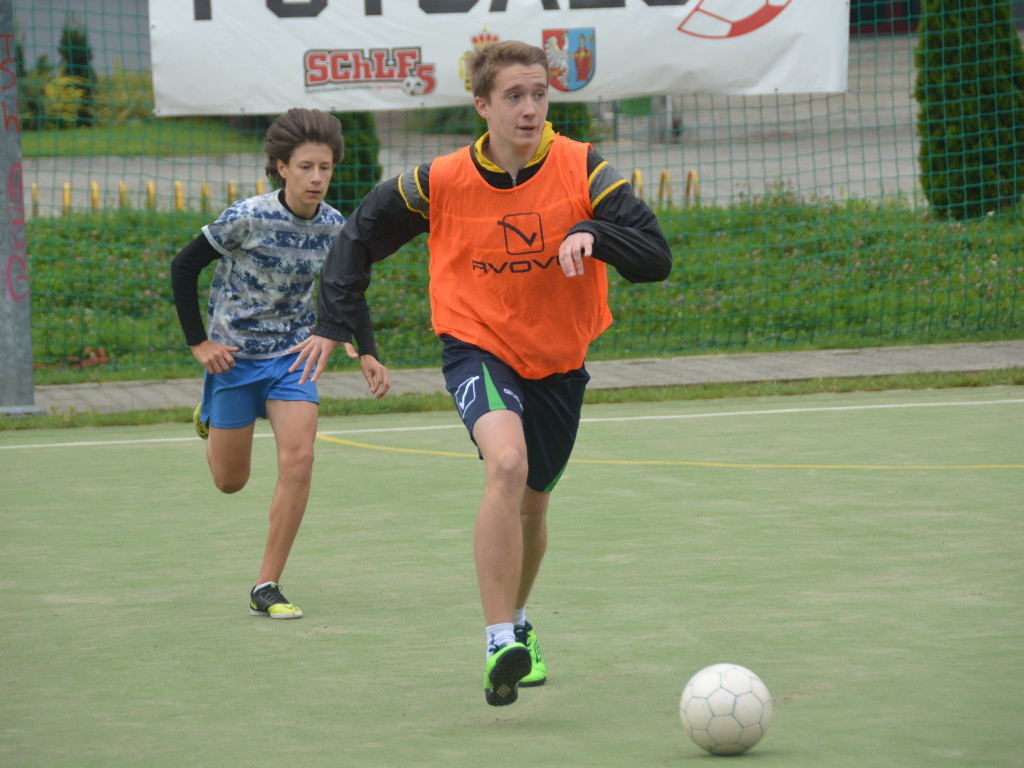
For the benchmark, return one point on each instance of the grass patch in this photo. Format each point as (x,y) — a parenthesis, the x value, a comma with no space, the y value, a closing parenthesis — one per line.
(163,137)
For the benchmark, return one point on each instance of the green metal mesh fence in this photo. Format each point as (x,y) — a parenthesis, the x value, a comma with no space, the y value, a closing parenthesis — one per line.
(795,220)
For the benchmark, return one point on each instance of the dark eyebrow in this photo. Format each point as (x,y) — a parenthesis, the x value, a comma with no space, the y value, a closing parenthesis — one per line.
(538,86)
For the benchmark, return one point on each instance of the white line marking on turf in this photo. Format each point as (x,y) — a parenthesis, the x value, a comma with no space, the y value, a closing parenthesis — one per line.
(818,409)
(661,417)
(95,443)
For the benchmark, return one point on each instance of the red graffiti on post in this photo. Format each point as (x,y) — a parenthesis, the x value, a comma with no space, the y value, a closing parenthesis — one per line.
(16,271)
(16,266)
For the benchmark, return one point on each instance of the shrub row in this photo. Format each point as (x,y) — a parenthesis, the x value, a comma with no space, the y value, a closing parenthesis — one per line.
(768,272)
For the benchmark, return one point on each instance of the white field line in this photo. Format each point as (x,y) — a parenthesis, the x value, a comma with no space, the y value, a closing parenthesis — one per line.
(661,417)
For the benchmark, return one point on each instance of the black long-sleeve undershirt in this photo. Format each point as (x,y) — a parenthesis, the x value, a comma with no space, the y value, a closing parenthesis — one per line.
(627,236)
(185,269)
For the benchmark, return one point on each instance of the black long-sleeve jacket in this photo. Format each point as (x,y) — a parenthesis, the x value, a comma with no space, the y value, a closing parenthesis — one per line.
(626,233)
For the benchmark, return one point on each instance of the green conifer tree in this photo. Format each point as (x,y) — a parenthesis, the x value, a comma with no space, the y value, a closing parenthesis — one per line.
(970,87)
(76,53)
(71,92)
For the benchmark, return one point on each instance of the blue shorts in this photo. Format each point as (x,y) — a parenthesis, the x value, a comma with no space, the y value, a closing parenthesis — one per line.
(237,397)
(550,407)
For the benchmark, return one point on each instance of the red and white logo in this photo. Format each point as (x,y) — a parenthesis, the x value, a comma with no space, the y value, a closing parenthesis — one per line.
(378,68)
(730,18)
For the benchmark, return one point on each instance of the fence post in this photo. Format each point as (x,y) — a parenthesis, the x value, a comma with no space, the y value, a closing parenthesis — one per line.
(17,394)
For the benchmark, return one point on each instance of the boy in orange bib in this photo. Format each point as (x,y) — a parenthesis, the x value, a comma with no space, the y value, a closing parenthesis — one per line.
(521,227)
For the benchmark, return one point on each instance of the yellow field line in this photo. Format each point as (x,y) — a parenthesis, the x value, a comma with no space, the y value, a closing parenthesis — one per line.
(663,463)
(354,444)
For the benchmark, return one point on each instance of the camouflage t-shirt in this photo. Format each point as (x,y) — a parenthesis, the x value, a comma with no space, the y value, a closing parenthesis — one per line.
(261,297)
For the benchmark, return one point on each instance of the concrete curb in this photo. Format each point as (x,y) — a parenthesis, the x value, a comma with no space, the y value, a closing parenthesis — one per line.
(114,397)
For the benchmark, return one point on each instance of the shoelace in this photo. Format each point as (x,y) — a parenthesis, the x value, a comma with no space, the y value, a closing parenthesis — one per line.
(523,632)
(269,596)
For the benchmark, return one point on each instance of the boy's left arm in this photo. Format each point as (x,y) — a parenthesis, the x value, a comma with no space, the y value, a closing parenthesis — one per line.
(626,232)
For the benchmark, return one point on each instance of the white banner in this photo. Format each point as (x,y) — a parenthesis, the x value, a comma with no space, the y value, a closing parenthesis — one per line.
(243,56)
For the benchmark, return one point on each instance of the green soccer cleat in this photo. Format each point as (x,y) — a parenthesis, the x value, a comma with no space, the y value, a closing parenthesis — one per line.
(505,668)
(268,601)
(202,427)
(539,671)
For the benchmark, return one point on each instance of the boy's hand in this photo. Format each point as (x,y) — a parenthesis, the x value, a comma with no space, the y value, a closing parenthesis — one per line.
(214,357)
(313,355)
(572,250)
(376,375)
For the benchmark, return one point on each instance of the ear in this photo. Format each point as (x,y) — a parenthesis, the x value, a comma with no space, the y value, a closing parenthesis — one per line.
(282,169)
(482,108)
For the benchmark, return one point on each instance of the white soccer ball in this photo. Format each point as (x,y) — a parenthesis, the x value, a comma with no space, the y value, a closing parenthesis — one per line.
(725,709)
(730,18)
(414,85)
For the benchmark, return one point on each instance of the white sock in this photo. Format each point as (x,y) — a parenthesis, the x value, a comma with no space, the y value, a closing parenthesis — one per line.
(258,587)
(519,616)
(499,635)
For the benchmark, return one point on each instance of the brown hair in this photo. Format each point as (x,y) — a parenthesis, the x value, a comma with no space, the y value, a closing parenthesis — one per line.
(486,62)
(299,126)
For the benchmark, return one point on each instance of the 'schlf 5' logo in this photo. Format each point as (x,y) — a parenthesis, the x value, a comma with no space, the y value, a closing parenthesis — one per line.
(572,57)
(730,18)
(379,67)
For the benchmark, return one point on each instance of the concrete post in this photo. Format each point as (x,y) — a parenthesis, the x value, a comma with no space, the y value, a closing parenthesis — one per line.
(16,381)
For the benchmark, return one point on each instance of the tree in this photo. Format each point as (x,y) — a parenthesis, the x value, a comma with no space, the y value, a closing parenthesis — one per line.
(970,87)
(76,53)
(69,96)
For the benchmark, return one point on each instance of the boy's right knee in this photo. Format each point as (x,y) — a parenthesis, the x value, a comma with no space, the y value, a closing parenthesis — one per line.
(230,484)
(508,463)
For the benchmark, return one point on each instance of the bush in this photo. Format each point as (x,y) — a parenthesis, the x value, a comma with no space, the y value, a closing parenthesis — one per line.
(573,120)
(359,171)
(763,273)
(32,102)
(448,120)
(67,101)
(124,95)
(970,85)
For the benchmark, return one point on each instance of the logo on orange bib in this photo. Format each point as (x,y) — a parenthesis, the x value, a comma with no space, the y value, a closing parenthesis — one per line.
(523,233)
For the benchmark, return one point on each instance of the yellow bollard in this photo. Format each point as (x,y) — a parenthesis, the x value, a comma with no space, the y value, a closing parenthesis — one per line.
(232,192)
(151,195)
(638,183)
(67,197)
(204,197)
(259,186)
(35,198)
(94,195)
(179,196)
(122,195)
(692,182)
(665,182)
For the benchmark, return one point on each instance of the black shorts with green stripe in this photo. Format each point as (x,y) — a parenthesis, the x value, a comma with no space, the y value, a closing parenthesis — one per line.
(550,407)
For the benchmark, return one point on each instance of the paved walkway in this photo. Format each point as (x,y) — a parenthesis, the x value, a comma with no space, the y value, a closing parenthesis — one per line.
(112,397)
